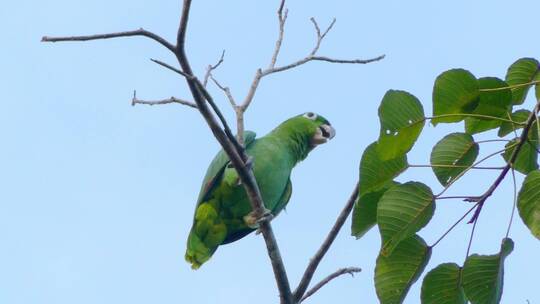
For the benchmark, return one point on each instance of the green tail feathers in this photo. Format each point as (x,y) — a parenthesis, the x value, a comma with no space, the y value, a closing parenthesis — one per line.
(207,234)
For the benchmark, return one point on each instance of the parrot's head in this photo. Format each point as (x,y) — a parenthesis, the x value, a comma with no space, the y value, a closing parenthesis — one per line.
(318,128)
(305,132)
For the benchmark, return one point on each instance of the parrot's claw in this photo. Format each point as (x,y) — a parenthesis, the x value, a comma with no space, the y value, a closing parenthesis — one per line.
(253,221)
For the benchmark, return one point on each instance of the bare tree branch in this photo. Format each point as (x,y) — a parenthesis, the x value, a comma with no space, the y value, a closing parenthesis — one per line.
(211,68)
(139,32)
(339,272)
(282,19)
(172,99)
(170,67)
(259,74)
(319,58)
(238,159)
(226,90)
(316,259)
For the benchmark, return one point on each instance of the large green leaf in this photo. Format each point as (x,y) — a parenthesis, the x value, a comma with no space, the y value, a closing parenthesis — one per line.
(402,211)
(529,202)
(365,211)
(527,158)
(402,118)
(394,275)
(456,149)
(455,92)
(376,172)
(490,103)
(442,285)
(483,275)
(519,116)
(522,71)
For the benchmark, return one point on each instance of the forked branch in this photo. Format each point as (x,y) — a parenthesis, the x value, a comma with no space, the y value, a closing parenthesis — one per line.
(339,272)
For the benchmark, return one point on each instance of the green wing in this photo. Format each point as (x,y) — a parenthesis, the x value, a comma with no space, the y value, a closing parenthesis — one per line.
(285,197)
(210,227)
(215,170)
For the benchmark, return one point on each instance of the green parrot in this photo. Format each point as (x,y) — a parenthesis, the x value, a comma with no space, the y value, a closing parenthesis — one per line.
(223,212)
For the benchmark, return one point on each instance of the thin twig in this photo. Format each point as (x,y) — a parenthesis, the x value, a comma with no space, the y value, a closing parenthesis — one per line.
(316,259)
(453,226)
(170,67)
(226,90)
(211,68)
(172,99)
(320,36)
(282,18)
(339,272)
(140,32)
(473,230)
(513,205)
(319,58)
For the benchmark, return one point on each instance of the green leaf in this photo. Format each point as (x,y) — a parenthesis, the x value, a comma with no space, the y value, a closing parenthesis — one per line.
(455,92)
(375,172)
(402,211)
(522,71)
(402,118)
(365,211)
(442,285)
(483,275)
(529,202)
(394,275)
(527,158)
(490,103)
(519,116)
(456,149)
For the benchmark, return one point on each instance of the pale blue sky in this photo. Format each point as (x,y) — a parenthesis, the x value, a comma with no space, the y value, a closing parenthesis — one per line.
(97,196)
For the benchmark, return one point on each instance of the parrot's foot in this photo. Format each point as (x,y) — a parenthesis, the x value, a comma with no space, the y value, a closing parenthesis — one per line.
(253,221)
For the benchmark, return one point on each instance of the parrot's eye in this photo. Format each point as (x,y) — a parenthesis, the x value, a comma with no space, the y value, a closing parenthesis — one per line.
(310,115)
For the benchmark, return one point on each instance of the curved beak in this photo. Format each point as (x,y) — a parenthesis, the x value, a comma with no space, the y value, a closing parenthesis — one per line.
(323,134)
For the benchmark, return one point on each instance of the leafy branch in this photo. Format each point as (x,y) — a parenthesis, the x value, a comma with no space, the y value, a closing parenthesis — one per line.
(401,210)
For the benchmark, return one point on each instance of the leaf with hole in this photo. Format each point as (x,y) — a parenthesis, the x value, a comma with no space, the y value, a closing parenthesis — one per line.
(490,103)
(442,285)
(394,275)
(402,118)
(522,71)
(483,275)
(529,202)
(455,92)
(402,211)
(452,155)
(519,118)
(375,172)
(364,215)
